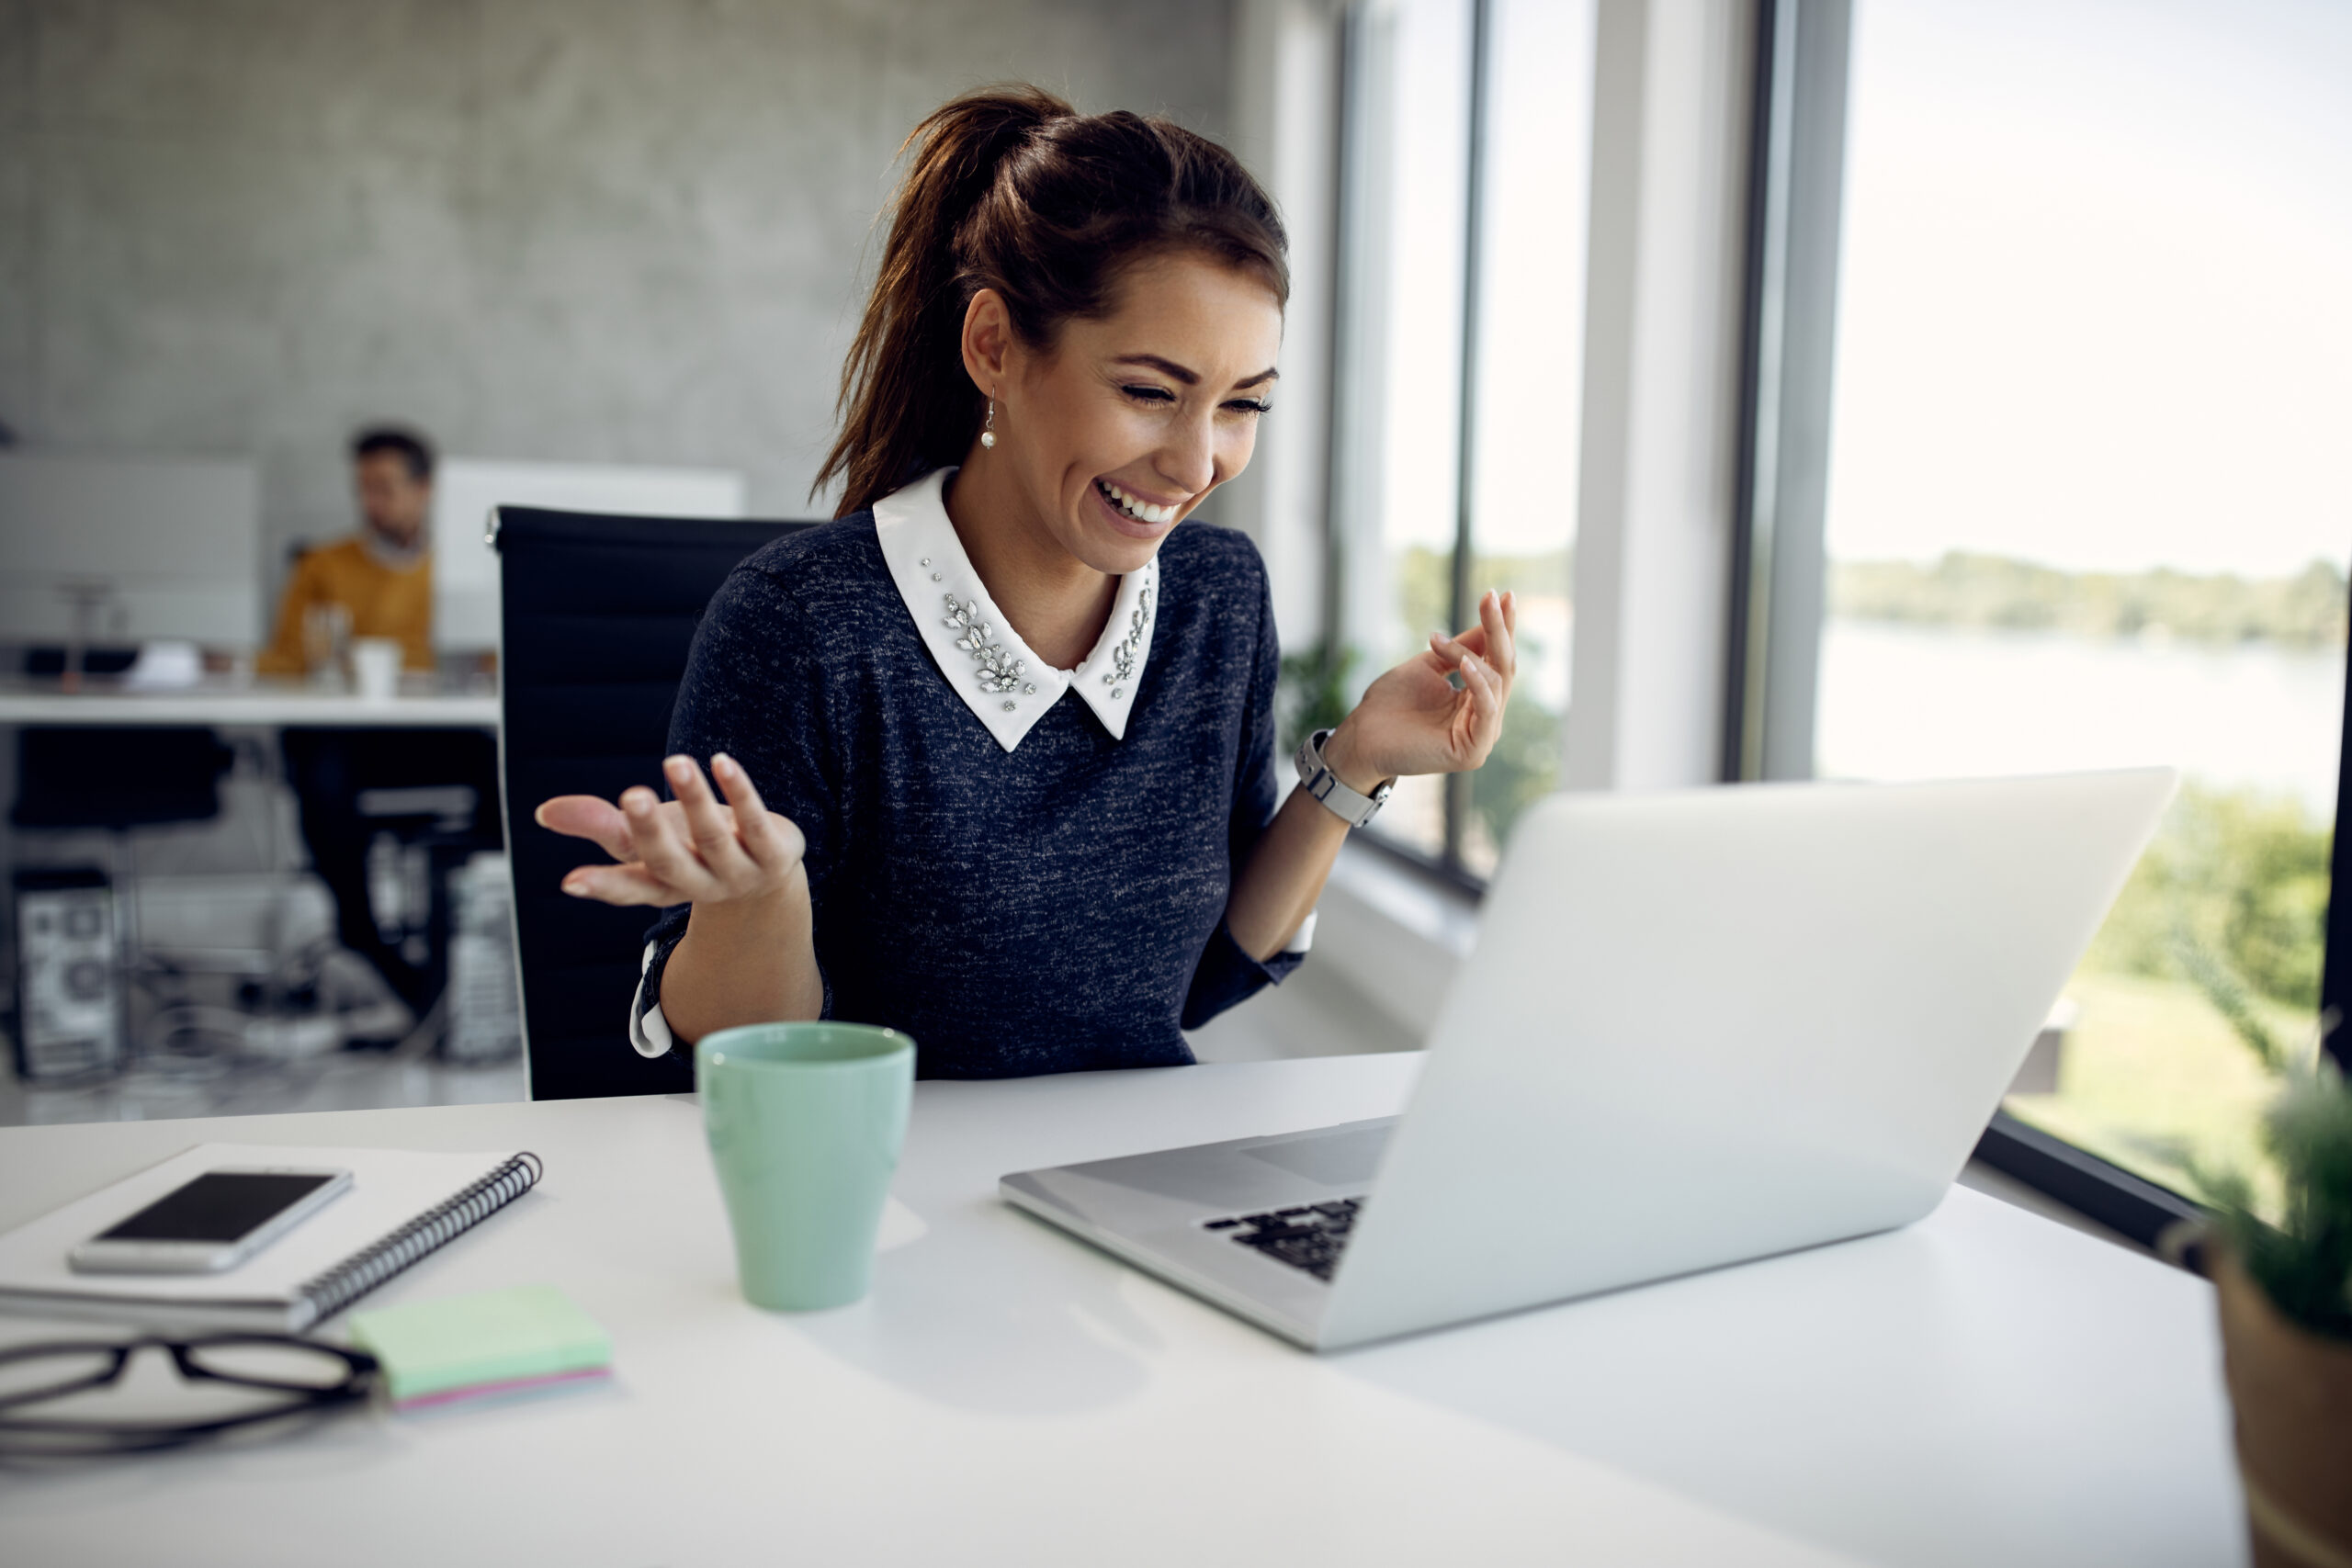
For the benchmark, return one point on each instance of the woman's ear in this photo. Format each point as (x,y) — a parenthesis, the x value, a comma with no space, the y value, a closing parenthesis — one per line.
(988,341)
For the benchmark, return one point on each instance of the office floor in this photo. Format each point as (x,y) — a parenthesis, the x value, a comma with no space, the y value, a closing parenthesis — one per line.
(338,1080)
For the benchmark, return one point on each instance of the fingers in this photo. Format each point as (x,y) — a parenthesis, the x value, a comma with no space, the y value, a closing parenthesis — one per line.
(585,817)
(710,825)
(1485,689)
(1493,638)
(1495,618)
(773,843)
(662,845)
(695,848)
(624,884)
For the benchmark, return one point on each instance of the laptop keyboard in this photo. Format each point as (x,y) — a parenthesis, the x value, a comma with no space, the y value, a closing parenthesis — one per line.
(1309,1237)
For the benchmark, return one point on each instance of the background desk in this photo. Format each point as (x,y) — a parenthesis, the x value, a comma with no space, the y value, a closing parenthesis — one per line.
(263,705)
(1985,1387)
(250,853)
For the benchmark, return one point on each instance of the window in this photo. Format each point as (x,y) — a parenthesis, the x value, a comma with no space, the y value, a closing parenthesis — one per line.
(2084,499)
(1461,334)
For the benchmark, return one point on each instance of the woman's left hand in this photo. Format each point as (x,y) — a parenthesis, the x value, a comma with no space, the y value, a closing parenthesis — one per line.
(1413,720)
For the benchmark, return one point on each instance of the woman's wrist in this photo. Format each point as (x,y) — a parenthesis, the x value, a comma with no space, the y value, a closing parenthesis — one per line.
(761,911)
(742,960)
(1343,755)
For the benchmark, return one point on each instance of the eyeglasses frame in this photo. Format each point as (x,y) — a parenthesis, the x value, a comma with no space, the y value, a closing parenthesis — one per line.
(118,1437)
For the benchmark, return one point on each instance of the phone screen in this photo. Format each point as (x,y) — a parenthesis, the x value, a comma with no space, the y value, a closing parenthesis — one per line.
(220,1205)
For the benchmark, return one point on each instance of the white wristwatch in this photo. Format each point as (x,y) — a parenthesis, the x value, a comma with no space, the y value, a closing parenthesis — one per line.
(1316,779)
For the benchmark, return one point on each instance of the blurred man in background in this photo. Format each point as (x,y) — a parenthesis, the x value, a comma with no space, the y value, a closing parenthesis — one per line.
(380,581)
(385,812)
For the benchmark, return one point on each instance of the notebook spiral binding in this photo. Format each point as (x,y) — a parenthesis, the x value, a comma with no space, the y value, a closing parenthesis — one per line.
(338,1287)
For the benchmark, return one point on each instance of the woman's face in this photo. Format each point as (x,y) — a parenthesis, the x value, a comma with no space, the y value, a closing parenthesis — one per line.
(1117,434)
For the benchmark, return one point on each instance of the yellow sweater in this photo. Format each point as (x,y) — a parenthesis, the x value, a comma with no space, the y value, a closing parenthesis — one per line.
(383,601)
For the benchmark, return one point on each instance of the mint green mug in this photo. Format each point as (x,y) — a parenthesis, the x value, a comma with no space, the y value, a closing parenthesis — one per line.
(805,1122)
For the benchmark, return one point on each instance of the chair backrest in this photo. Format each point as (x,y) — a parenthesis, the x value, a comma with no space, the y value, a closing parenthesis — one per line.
(596,614)
(97,777)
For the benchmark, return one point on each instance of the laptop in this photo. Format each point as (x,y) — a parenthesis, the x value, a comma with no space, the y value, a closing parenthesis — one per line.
(1697,1028)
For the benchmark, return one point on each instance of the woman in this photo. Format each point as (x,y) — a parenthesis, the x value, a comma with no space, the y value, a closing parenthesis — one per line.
(996,745)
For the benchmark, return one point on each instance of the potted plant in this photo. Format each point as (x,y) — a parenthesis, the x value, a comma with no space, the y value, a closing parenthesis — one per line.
(1314,694)
(2286,1310)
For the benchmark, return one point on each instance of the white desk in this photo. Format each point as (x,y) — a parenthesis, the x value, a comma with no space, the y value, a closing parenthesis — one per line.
(1985,1387)
(258,705)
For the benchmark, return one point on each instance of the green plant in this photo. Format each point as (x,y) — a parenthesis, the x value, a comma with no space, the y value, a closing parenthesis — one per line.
(2236,879)
(1524,768)
(1314,692)
(2232,1000)
(2303,1263)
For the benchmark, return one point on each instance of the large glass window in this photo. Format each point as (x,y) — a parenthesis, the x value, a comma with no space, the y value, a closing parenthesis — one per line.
(2087,501)
(1460,367)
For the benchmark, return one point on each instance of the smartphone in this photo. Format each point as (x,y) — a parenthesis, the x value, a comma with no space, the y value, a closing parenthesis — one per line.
(213,1222)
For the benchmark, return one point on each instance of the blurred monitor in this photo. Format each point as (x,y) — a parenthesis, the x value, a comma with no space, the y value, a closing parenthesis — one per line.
(465,568)
(154,547)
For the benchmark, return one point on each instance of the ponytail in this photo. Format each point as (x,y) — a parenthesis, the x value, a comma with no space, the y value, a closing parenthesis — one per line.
(1012,189)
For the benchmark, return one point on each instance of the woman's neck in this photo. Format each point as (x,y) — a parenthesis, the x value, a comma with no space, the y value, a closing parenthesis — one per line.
(1056,603)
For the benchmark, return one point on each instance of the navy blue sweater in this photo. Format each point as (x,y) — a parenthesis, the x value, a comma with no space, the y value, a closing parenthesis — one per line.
(1052,909)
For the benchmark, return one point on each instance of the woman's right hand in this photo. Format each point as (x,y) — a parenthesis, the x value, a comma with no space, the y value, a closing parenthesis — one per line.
(693,850)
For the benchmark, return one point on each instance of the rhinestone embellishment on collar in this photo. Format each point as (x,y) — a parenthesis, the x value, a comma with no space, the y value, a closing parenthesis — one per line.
(1000,671)
(1123,654)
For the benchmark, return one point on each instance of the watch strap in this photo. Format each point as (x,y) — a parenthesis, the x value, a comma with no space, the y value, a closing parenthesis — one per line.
(1316,779)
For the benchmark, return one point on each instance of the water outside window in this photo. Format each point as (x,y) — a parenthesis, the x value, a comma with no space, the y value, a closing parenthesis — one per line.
(2087,501)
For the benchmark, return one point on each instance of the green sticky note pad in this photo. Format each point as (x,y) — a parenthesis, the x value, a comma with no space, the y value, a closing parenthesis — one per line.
(496,1342)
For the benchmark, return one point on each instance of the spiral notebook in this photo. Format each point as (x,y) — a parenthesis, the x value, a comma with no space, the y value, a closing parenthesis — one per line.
(403,1205)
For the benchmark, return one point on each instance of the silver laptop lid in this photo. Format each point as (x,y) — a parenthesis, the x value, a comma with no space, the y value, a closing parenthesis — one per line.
(1711,1026)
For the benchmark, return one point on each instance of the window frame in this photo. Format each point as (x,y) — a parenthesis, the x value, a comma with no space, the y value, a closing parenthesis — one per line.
(1447,866)
(2336,964)
(1778,597)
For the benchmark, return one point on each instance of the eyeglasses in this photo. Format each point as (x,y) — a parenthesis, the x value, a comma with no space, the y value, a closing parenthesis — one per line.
(270,1376)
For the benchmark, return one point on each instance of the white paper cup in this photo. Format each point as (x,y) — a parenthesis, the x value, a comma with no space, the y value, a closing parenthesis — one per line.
(376,667)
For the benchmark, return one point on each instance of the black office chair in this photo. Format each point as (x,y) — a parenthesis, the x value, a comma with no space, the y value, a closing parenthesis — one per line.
(597,614)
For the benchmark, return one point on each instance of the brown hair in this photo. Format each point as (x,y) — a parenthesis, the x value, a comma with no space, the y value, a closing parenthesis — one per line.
(1012,189)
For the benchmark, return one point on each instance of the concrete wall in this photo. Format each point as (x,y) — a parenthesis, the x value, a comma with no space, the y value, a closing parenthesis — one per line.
(1285,117)
(628,231)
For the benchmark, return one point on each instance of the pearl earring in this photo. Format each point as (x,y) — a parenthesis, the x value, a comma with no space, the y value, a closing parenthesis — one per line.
(988,431)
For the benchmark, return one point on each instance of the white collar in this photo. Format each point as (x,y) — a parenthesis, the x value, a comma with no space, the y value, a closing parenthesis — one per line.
(1000,679)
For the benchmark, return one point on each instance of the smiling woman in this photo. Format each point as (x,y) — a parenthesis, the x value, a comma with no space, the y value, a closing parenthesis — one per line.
(996,745)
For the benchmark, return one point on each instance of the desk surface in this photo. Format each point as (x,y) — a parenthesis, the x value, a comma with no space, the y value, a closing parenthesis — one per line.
(1984,1386)
(255,704)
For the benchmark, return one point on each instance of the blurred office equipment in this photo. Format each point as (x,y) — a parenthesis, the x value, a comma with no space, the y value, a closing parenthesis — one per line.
(387,816)
(73,1014)
(125,550)
(202,970)
(246,964)
(465,490)
(235,991)
(68,974)
(485,1002)
(598,613)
